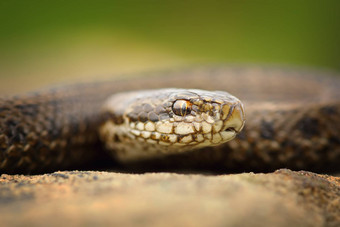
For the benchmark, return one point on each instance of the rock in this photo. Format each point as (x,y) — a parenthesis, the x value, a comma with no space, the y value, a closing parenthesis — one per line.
(282,198)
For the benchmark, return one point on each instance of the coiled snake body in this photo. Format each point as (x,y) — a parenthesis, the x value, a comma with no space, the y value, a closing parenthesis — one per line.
(292,121)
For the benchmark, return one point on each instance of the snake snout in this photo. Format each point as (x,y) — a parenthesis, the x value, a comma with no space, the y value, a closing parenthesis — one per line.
(235,119)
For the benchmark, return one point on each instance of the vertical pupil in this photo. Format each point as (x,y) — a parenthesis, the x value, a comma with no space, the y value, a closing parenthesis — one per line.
(183,108)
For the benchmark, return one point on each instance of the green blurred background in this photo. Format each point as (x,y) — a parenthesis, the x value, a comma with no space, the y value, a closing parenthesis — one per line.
(49,42)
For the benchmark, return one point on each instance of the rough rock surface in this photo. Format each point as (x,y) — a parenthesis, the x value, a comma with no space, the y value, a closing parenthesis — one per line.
(282,198)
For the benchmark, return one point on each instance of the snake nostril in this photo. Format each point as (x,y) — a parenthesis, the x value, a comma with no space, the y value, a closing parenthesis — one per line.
(230,129)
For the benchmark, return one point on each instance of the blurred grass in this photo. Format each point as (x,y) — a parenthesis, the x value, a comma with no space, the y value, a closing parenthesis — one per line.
(43,42)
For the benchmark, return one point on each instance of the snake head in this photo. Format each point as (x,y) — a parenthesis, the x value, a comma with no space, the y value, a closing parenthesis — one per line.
(153,122)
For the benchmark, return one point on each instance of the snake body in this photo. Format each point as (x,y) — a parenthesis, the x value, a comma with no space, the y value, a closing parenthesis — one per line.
(293,121)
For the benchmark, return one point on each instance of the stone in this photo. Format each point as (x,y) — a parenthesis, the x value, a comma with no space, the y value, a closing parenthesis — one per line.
(78,198)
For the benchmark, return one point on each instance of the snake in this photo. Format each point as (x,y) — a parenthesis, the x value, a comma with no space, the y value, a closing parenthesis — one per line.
(178,119)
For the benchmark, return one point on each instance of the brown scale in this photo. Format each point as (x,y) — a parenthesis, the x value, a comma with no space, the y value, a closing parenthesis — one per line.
(293,121)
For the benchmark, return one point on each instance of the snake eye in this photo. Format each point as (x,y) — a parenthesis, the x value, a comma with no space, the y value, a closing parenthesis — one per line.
(181,107)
